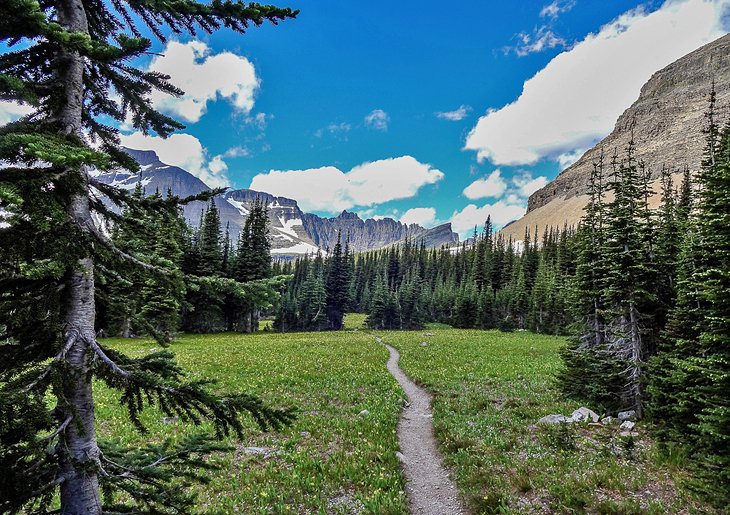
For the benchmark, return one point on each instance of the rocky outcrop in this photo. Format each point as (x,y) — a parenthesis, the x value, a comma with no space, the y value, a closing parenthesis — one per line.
(371,233)
(292,232)
(666,122)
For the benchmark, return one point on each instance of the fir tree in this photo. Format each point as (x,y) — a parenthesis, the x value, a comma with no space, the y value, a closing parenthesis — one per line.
(70,59)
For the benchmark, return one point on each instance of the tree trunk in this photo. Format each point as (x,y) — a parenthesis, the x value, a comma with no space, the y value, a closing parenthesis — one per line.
(79,451)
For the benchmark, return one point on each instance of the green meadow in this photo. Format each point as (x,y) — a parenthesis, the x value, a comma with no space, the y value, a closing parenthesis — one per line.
(339,455)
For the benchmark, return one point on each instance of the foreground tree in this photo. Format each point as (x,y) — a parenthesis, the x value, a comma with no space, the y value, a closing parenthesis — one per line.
(70,60)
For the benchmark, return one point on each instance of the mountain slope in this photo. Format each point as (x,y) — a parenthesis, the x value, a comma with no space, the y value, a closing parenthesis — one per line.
(666,122)
(293,232)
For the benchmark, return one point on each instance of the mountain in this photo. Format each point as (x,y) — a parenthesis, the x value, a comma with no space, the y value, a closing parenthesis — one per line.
(293,232)
(667,121)
(371,233)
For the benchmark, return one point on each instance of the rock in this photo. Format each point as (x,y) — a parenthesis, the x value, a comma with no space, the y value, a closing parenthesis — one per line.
(626,434)
(607,421)
(584,414)
(169,420)
(305,434)
(378,339)
(627,425)
(665,122)
(627,415)
(427,334)
(424,344)
(555,419)
(400,456)
(364,413)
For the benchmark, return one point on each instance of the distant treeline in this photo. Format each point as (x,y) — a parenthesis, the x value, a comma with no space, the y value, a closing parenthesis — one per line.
(486,283)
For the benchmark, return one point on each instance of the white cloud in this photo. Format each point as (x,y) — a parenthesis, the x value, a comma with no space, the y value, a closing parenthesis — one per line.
(542,38)
(423,216)
(185,151)
(527,185)
(238,151)
(377,119)
(554,9)
(456,115)
(502,212)
(492,186)
(204,77)
(575,100)
(259,120)
(568,158)
(10,111)
(331,190)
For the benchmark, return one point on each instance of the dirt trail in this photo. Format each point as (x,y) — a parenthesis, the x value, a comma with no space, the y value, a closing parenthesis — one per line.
(429,489)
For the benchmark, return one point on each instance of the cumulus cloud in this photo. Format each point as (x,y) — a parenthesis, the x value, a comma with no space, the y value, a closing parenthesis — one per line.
(575,100)
(556,8)
(378,120)
(185,151)
(10,111)
(456,115)
(502,212)
(527,185)
(423,216)
(568,158)
(491,186)
(331,190)
(204,77)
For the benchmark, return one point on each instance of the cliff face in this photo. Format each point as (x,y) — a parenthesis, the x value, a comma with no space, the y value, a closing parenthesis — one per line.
(372,234)
(292,232)
(667,122)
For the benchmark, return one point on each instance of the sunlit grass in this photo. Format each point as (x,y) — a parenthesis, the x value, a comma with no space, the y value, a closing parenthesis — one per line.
(490,389)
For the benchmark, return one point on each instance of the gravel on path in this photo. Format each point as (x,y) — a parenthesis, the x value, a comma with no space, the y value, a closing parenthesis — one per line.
(429,488)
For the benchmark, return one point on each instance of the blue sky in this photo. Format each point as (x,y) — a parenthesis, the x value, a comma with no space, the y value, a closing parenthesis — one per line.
(452,110)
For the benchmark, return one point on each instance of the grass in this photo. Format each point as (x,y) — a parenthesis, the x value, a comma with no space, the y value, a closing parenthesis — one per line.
(332,460)
(490,389)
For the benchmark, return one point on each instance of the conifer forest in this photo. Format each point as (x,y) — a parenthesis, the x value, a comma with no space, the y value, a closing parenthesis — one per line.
(150,363)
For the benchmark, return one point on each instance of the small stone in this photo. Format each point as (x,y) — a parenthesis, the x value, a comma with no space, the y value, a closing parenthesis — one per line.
(424,344)
(607,421)
(364,413)
(555,419)
(400,456)
(627,425)
(378,339)
(427,334)
(169,420)
(584,414)
(261,451)
(627,415)
(627,434)
(305,434)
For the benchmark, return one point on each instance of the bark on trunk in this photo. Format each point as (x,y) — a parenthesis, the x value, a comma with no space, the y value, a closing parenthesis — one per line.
(79,448)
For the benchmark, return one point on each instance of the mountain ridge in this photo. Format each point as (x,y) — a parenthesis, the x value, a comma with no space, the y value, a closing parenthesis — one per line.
(292,232)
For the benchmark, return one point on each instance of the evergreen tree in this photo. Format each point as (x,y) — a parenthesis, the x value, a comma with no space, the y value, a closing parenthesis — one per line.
(70,59)
(337,286)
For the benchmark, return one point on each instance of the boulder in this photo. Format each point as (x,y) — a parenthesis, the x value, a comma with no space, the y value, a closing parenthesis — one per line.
(627,425)
(584,414)
(627,415)
(607,421)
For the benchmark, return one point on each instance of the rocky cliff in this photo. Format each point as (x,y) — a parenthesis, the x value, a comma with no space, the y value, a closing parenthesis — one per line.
(371,233)
(666,122)
(293,233)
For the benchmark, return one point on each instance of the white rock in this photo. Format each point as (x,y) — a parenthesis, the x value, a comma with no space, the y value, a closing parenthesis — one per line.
(627,425)
(364,413)
(423,344)
(584,414)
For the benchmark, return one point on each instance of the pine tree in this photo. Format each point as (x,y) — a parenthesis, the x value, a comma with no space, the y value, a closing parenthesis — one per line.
(70,59)
(337,286)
